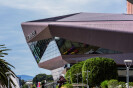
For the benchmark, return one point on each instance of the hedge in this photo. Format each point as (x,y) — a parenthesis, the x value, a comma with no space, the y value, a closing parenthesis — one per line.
(67,76)
(100,69)
(76,69)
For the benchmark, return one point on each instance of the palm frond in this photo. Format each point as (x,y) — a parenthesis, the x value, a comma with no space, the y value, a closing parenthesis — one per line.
(5,67)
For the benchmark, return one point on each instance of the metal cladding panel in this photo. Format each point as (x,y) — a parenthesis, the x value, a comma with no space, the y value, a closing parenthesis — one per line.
(44,34)
(110,31)
(118,58)
(52,19)
(56,73)
(105,38)
(90,17)
(31,30)
(53,63)
(123,73)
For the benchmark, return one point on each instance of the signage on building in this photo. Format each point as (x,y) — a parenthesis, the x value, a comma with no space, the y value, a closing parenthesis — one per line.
(31,35)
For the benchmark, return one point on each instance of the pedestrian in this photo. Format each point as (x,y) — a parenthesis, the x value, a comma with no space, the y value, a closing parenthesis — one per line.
(43,84)
(61,81)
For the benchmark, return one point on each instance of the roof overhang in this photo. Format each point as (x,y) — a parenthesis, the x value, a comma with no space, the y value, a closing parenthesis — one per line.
(60,61)
(111,35)
(53,63)
(110,31)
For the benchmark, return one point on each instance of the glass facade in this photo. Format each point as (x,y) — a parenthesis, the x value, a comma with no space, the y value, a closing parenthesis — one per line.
(68,47)
(107,51)
(52,51)
(50,48)
(38,48)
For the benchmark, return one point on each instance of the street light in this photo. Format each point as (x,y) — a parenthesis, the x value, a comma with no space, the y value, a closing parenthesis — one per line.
(69,79)
(87,78)
(77,76)
(82,79)
(8,77)
(128,64)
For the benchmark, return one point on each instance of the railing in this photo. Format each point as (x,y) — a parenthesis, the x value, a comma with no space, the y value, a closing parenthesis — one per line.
(51,85)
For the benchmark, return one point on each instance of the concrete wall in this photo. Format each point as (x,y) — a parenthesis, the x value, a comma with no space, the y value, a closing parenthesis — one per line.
(56,73)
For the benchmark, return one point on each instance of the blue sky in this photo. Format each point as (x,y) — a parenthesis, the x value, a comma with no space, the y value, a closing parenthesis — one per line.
(14,12)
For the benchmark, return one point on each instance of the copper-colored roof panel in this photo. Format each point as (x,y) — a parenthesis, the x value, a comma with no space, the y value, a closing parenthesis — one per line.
(105,38)
(53,63)
(118,58)
(110,31)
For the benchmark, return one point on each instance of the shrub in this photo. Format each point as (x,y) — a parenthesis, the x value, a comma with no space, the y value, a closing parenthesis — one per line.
(25,86)
(112,83)
(67,76)
(130,83)
(68,86)
(104,84)
(34,86)
(57,86)
(122,85)
(100,69)
(76,68)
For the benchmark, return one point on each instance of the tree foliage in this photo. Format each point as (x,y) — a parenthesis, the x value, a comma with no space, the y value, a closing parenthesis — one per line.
(25,86)
(22,82)
(104,84)
(100,69)
(113,83)
(67,76)
(42,77)
(5,67)
(76,72)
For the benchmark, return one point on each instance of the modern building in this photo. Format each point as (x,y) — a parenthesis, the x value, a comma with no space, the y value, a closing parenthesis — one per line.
(16,81)
(61,41)
(129,6)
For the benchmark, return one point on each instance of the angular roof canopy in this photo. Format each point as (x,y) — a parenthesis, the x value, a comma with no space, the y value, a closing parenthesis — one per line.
(111,31)
(88,17)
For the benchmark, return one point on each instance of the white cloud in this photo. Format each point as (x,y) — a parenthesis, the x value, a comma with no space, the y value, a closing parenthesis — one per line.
(58,7)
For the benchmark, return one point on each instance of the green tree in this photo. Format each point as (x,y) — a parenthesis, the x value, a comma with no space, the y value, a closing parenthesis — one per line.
(25,86)
(100,69)
(42,77)
(22,82)
(104,84)
(76,72)
(113,83)
(67,76)
(5,67)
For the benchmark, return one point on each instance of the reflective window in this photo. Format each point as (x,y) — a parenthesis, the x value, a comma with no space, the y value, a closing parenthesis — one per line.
(107,51)
(68,47)
(52,51)
(50,48)
(38,48)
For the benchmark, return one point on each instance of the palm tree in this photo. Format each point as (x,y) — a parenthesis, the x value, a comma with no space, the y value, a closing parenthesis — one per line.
(5,67)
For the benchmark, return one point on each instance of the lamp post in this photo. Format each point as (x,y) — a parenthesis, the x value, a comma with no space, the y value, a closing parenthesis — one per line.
(69,78)
(82,80)
(128,64)
(87,78)
(77,76)
(8,77)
